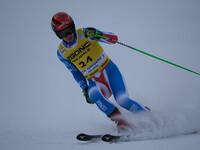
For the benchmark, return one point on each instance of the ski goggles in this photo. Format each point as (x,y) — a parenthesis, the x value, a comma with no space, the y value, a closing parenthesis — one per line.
(65,32)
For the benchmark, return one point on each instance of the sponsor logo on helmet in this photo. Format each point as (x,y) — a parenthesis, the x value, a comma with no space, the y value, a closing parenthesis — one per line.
(62,24)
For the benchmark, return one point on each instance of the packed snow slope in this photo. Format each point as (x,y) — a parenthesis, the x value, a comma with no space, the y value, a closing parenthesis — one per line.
(42,107)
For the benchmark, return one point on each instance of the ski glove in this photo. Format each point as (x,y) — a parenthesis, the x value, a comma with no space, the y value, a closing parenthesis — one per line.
(92,33)
(87,97)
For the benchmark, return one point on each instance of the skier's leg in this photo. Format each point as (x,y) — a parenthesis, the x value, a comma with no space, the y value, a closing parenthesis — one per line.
(119,90)
(99,91)
(98,98)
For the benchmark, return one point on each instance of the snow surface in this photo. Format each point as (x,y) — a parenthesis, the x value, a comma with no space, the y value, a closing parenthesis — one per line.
(42,107)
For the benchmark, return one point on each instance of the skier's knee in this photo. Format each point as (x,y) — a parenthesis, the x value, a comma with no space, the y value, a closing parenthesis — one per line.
(122,100)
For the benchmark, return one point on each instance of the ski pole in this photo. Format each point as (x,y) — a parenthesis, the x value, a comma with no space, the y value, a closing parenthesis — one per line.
(171,63)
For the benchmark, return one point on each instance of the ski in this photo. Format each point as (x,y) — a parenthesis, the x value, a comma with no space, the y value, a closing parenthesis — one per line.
(111,138)
(104,137)
(87,137)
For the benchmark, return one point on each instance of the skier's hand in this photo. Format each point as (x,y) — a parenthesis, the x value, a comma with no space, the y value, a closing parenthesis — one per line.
(87,97)
(92,33)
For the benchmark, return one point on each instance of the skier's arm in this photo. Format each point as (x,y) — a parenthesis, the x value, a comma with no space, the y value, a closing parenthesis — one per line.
(89,32)
(80,79)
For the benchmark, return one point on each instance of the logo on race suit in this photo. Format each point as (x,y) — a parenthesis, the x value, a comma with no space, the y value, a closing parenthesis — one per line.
(81,36)
(80,50)
(133,108)
(63,51)
(101,105)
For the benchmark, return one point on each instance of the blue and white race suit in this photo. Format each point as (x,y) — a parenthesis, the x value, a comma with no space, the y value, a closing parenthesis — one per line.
(92,68)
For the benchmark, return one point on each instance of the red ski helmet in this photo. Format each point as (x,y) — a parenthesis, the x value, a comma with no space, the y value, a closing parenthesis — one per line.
(62,24)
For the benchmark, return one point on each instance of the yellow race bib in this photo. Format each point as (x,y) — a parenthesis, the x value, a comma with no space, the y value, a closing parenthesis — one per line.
(88,56)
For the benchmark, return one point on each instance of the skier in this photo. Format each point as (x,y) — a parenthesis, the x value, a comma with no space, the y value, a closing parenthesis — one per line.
(93,70)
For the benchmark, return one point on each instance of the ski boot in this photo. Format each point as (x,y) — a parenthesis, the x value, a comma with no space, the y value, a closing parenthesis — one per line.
(122,124)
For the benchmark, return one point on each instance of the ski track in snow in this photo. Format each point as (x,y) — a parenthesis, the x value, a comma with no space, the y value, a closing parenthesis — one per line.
(62,141)
(155,130)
